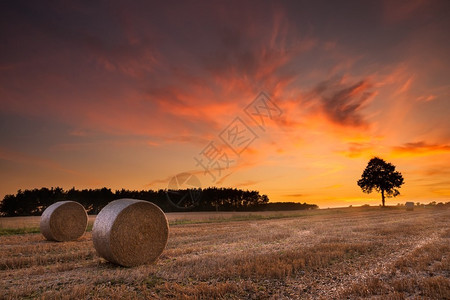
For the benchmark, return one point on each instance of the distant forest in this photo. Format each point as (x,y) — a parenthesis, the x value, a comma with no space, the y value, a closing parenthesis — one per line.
(34,202)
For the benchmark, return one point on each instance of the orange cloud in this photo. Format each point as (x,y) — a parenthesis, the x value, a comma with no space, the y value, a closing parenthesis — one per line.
(359,149)
(426,98)
(295,195)
(420,148)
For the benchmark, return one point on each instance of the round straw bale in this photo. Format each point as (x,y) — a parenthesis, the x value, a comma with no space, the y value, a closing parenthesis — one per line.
(130,232)
(63,221)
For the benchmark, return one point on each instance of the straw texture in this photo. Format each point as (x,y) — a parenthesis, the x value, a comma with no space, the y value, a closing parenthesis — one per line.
(63,221)
(130,232)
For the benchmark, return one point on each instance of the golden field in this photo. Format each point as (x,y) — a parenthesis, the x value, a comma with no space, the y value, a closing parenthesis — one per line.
(352,253)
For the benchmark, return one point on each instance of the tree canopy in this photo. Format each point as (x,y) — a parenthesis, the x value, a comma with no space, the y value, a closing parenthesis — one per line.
(34,202)
(381,176)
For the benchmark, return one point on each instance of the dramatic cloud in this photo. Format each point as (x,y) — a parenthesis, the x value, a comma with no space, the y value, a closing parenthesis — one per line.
(96,89)
(343,103)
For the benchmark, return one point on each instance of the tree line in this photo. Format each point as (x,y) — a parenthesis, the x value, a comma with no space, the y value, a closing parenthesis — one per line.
(34,202)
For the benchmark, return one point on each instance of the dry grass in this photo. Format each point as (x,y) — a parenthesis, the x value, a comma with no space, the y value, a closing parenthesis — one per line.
(339,254)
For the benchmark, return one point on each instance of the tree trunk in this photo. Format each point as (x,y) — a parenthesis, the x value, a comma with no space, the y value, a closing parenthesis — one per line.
(382,197)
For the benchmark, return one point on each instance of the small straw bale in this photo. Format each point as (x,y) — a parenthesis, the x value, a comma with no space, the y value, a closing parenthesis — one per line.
(130,232)
(409,205)
(63,221)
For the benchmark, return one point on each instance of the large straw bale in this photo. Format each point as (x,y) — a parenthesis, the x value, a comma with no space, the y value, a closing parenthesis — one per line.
(130,232)
(63,221)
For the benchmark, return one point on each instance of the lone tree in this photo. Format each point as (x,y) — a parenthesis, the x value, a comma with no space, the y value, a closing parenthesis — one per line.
(382,177)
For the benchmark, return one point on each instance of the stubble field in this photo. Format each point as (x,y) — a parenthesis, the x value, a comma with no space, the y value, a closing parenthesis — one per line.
(331,254)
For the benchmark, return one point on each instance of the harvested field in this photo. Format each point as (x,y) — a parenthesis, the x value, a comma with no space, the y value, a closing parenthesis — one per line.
(178,217)
(337,253)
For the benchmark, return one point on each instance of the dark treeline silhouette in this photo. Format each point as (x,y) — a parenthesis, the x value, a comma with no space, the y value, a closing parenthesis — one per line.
(430,204)
(34,202)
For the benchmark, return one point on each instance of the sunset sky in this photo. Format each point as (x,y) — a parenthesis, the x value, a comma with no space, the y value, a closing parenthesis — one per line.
(129,95)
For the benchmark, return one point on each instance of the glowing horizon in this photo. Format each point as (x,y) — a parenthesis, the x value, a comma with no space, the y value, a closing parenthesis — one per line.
(126,96)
